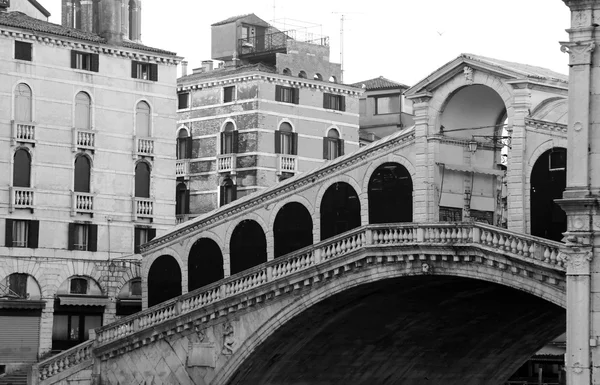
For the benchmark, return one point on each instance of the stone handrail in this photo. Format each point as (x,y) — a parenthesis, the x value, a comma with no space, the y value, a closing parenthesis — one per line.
(516,245)
(145,146)
(23,131)
(63,361)
(83,202)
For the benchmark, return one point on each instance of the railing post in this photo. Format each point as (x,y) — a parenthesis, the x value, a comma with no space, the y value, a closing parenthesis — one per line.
(420,234)
(369,236)
(476,234)
(269,273)
(178,305)
(317,256)
(33,376)
(223,291)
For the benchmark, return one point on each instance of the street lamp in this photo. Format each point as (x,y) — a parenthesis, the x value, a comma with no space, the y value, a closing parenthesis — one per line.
(494,139)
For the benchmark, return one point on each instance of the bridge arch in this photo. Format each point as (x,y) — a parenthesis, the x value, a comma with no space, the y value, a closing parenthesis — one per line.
(390,193)
(205,263)
(340,210)
(553,294)
(164,279)
(323,189)
(247,245)
(292,228)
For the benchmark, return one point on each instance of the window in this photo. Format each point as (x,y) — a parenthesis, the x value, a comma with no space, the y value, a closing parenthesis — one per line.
(333,146)
(142,120)
(184,145)
(245,32)
(482,216)
(23,50)
(83,236)
(183,99)
(82,174)
(229,139)
(78,286)
(83,106)
(228,94)
(182,199)
(22,233)
(387,105)
(85,61)
(71,329)
(450,214)
(135,287)
(287,94)
(286,141)
(17,283)
(558,160)
(286,71)
(142,180)
(334,102)
(142,235)
(23,104)
(144,71)
(228,192)
(21,168)
(317,76)
(302,75)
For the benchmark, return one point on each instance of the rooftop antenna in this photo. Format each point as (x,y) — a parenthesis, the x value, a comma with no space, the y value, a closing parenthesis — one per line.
(342,18)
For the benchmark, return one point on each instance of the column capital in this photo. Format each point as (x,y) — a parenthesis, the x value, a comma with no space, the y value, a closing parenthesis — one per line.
(581,4)
(580,52)
(576,259)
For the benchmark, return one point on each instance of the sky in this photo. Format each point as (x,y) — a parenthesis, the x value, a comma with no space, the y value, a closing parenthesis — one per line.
(401,40)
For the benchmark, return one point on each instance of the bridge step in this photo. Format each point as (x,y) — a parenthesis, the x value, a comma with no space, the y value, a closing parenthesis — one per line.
(15,378)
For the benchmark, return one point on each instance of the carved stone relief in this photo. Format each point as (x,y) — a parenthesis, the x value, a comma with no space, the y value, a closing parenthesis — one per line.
(579,52)
(229,341)
(468,72)
(576,261)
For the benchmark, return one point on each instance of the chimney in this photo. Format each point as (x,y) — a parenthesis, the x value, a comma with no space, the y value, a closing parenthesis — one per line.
(198,70)
(184,68)
(110,21)
(207,65)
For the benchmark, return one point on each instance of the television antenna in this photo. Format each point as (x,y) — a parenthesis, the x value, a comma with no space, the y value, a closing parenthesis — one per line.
(342,18)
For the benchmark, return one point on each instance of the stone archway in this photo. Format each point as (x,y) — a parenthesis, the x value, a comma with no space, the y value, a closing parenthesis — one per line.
(164,280)
(390,194)
(292,229)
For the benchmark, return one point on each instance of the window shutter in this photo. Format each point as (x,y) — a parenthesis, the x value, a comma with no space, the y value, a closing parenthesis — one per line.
(187,202)
(136,240)
(73,59)
(277,93)
(233,192)
(95,62)
(92,237)
(326,100)
(34,234)
(154,72)
(342,103)
(71,236)
(325,148)
(294,143)
(340,147)
(151,234)
(235,141)
(8,240)
(134,69)
(221,195)
(188,147)
(278,142)
(296,96)
(222,142)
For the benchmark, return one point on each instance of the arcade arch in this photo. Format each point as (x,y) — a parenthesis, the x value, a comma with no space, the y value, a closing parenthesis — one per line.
(205,263)
(340,210)
(390,194)
(247,247)
(292,229)
(164,280)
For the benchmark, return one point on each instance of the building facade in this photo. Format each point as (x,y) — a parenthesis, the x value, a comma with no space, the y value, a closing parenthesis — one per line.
(86,176)
(274,108)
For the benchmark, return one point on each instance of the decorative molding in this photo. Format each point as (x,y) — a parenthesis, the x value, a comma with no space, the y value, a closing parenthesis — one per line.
(580,52)
(229,340)
(577,260)
(468,72)
(548,126)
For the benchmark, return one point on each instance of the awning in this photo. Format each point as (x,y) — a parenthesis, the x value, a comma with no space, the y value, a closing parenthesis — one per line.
(482,203)
(82,300)
(476,170)
(129,302)
(22,304)
(452,200)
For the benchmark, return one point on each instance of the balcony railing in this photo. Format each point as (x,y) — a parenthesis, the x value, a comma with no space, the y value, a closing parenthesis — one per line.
(144,146)
(226,163)
(276,41)
(61,362)
(143,208)
(182,167)
(21,198)
(82,202)
(23,132)
(180,218)
(287,163)
(85,139)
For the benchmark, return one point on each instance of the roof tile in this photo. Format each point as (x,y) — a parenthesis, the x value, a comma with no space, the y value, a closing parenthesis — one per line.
(379,83)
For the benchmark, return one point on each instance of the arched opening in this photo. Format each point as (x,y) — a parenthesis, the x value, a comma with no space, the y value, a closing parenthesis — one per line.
(340,210)
(286,140)
(248,246)
(164,280)
(20,285)
(23,103)
(332,79)
(82,174)
(302,74)
(142,120)
(390,194)
(548,182)
(333,145)
(317,76)
(129,300)
(229,139)
(228,192)
(181,199)
(184,145)
(205,264)
(292,229)
(83,107)
(287,71)
(142,180)
(22,169)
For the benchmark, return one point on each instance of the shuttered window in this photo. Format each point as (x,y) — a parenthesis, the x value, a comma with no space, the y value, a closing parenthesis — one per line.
(286,141)
(144,71)
(83,236)
(20,336)
(86,61)
(287,94)
(228,192)
(23,50)
(334,102)
(333,145)
(22,233)
(142,235)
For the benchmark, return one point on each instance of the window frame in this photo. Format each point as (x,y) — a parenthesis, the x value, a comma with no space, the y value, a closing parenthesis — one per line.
(138,68)
(231,136)
(338,144)
(85,61)
(150,234)
(91,235)
(180,99)
(334,102)
(378,97)
(28,56)
(285,94)
(454,213)
(279,141)
(223,192)
(233,94)
(32,233)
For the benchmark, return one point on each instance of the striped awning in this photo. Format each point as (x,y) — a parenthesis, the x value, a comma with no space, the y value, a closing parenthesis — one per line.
(473,169)
(83,300)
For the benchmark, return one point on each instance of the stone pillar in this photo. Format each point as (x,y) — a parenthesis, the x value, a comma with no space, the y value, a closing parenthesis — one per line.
(87,20)
(423,193)
(580,199)
(46,325)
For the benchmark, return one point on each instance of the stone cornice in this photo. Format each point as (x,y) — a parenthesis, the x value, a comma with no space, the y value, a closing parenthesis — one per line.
(266,197)
(547,126)
(116,51)
(274,78)
(462,142)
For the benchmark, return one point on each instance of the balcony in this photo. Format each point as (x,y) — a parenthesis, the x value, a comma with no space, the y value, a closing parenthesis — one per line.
(182,167)
(180,218)
(23,132)
(276,41)
(143,208)
(226,163)
(287,163)
(21,198)
(84,139)
(143,146)
(82,203)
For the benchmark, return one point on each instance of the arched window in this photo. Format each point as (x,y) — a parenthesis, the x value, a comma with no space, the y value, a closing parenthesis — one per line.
(142,120)
(286,140)
(248,246)
(184,145)
(182,200)
(205,264)
(340,210)
(286,71)
(293,229)
(302,74)
(390,194)
(142,180)
(82,174)
(22,169)
(83,109)
(164,280)
(332,79)
(228,192)
(229,139)
(333,145)
(23,105)
(317,76)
